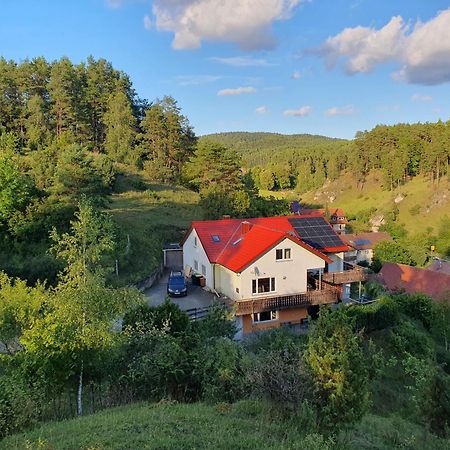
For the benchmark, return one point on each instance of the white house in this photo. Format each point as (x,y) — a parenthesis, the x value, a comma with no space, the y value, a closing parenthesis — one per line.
(274,269)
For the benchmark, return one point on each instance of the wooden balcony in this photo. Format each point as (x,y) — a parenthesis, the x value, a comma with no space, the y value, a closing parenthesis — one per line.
(260,304)
(350,274)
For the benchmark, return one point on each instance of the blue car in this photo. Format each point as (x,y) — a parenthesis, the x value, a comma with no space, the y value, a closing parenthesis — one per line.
(176,284)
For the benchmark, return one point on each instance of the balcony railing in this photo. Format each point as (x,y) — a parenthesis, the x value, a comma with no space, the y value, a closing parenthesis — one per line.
(350,274)
(314,297)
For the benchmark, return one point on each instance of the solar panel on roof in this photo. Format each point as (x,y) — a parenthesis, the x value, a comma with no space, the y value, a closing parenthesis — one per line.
(362,242)
(316,232)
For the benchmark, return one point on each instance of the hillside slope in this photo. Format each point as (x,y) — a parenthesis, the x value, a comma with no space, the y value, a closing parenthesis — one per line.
(244,425)
(421,204)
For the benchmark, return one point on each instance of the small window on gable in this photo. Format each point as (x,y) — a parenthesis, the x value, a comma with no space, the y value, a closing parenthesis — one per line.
(195,241)
(282,254)
(215,238)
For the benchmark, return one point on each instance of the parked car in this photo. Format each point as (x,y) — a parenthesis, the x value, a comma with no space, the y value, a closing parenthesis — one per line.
(176,284)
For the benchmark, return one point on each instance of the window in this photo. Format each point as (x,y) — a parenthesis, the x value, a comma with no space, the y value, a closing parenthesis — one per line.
(195,241)
(263,285)
(281,254)
(265,316)
(203,270)
(215,238)
(195,264)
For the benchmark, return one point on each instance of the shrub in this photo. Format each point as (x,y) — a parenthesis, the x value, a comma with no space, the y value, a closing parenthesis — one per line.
(218,323)
(283,378)
(417,306)
(377,316)
(166,316)
(405,338)
(219,366)
(414,210)
(18,405)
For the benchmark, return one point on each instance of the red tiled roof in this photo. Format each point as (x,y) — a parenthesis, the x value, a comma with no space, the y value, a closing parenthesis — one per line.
(357,241)
(236,248)
(334,212)
(400,277)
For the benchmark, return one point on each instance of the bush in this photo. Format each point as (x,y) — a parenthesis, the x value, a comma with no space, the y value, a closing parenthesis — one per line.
(414,210)
(18,405)
(417,306)
(218,323)
(219,366)
(405,338)
(283,378)
(156,366)
(167,316)
(377,316)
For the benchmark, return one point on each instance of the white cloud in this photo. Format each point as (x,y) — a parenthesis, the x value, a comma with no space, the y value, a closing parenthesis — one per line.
(296,75)
(237,91)
(347,110)
(421,98)
(422,51)
(261,110)
(147,22)
(301,112)
(195,80)
(247,23)
(244,61)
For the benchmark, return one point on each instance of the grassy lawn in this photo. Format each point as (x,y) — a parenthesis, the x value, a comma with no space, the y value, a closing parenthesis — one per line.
(244,425)
(150,214)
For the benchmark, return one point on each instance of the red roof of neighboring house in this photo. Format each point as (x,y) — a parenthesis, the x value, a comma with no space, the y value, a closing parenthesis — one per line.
(236,243)
(364,241)
(400,277)
(334,212)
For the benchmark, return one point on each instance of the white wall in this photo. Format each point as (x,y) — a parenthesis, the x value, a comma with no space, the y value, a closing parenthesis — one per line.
(290,275)
(227,282)
(192,252)
(338,262)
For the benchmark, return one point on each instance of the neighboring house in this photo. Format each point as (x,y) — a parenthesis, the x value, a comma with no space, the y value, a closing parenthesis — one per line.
(273,269)
(337,219)
(403,278)
(362,245)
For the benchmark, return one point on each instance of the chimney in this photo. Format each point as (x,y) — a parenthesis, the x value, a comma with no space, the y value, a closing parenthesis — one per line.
(245,227)
(226,216)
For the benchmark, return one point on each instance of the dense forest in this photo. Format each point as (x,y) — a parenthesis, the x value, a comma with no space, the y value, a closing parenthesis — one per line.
(304,162)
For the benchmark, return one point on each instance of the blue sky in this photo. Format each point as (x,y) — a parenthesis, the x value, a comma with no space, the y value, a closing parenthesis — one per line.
(329,67)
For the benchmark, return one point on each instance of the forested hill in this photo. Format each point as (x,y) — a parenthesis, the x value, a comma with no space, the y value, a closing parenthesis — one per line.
(260,148)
